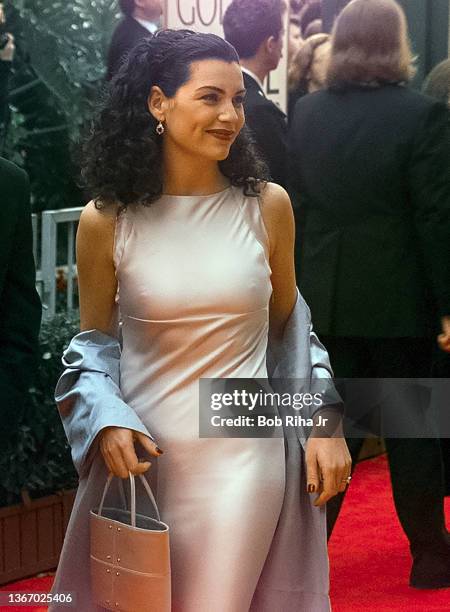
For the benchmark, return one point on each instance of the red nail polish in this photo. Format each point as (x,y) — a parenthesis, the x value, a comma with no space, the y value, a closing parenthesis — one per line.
(311,488)
(159,451)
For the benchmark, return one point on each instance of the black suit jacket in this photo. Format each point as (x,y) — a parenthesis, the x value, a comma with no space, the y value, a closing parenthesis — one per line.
(126,35)
(20,306)
(369,173)
(268,125)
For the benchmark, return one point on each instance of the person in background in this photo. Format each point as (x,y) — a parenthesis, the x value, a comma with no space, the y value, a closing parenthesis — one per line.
(7,49)
(20,306)
(141,19)
(371,186)
(308,69)
(437,85)
(295,38)
(255,29)
(310,12)
(296,6)
(314,27)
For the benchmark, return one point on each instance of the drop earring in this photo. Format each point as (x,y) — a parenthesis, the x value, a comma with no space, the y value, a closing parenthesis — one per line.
(160,129)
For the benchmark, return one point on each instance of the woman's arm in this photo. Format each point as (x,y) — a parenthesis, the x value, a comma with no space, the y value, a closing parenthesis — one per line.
(96,274)
(97,289)
(278,219)
(326,458)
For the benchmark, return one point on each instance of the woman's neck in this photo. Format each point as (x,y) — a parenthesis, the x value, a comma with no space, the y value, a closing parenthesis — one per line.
(187,175)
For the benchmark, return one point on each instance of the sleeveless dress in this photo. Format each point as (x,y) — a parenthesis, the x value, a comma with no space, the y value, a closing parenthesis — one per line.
(193,291)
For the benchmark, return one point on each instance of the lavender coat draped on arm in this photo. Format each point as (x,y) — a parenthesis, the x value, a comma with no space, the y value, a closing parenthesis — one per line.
(88,394)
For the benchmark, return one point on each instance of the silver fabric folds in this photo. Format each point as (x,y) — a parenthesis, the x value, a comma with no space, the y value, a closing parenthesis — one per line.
(300,354)
(88,394)
(301,359)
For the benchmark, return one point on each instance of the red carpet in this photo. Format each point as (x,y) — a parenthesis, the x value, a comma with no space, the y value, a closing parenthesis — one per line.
(31,585)
(369,554)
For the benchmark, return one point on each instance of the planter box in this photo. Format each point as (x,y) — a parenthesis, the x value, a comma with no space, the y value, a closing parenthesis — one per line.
(31,535)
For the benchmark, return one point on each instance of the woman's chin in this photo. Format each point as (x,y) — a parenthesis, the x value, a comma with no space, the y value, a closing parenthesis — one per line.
(224,156)
(218,153)
(216,157)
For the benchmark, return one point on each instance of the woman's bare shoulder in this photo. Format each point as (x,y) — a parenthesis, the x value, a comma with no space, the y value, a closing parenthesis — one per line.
(98,221)
(94,213)
(276,209)
(96,232)
(275,200)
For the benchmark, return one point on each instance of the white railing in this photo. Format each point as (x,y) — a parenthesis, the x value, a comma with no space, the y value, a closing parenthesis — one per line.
(47,260)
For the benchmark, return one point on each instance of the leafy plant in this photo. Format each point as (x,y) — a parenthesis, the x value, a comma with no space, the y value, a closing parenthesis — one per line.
(58,77)
(38,457)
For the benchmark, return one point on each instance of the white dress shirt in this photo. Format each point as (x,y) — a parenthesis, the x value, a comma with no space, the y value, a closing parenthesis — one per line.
(148,25)
(253,75)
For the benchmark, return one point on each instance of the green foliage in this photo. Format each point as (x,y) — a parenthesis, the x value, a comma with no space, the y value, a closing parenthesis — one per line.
(58,76)
(38,456)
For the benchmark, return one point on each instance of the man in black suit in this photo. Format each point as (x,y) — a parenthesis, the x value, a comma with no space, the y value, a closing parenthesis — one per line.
(256,31)
(437,85)
(370,179)
(141,19)
(20,306)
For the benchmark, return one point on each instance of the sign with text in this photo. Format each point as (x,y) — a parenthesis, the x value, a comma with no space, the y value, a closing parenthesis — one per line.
(207,16)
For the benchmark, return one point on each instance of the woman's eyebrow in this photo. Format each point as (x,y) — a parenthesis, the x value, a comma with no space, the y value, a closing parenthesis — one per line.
(213,87)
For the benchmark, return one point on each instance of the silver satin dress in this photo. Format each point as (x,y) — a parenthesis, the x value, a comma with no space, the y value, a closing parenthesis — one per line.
(193,290)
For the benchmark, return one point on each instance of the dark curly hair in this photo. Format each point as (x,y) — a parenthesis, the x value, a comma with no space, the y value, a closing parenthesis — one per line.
(122,157)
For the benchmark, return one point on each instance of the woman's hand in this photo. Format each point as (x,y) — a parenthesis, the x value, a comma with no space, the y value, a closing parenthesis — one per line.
(444,338)
(117,447)
(327,458)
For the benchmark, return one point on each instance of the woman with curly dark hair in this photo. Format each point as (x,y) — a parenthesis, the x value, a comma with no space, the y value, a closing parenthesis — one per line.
(187,238)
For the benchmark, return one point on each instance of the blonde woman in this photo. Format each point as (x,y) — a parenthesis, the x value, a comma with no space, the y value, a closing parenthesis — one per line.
(308,68)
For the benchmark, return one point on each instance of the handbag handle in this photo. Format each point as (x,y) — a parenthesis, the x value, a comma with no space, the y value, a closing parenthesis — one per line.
(133,496)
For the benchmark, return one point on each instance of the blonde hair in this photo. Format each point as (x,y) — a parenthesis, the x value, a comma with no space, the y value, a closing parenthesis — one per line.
(370,44)
(303,59)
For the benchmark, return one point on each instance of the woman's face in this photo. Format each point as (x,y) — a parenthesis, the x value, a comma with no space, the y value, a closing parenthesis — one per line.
(295,40)
(206,114)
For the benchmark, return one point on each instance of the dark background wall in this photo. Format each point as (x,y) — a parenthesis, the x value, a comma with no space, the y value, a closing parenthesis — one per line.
(428,22)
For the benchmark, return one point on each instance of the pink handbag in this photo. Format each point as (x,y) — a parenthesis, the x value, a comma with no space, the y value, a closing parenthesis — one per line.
(130,560)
